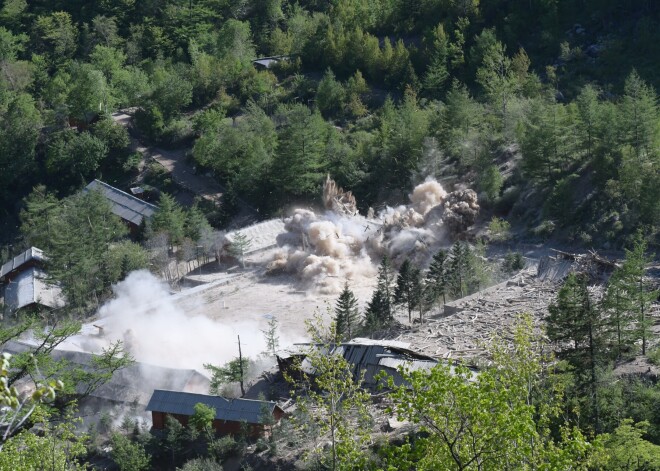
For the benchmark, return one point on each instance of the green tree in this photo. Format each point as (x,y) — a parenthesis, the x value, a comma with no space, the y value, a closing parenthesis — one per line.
(196,225)
(576,326)
(129,456)
(76,256)
(20,123)
(202,419)
(330,95)
(379,312)
(496,77)
(123,258)
(234,371)
(57,445)
(640,116)
(239,246)
(486,420)
(588,112)
(240,155)
(169,219)
(437,72)
(297,169)
(56,36)
(108,60)
(459,269)
(634,288)
(491,181)
(38,218)
(437,277)
(499,229)
(407,291)
(72,156)
(626,449)
(271,336)
(333,404)
(547,141)
(346,314)
(89,94)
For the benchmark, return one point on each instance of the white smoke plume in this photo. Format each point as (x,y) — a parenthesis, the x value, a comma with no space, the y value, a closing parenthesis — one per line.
(326,249)
(157,331)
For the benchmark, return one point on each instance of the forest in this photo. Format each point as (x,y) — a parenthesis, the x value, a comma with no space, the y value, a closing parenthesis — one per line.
(548,109)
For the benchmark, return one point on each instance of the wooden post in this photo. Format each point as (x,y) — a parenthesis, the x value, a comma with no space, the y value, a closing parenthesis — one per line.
(240,365)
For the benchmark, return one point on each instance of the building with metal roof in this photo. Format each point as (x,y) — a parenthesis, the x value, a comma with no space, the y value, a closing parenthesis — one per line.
(269,62)
(31,257)
(129,208)
(229,413)
(367,359)
(29,288)
(23,282)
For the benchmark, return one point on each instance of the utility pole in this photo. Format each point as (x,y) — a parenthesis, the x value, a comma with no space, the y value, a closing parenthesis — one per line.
(240,365)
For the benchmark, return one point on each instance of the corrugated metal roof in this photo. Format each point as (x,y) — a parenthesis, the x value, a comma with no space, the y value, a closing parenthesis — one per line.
(368,358)
(126,206)
(267,63)
(234,410)
(30,287)
(135,383)
(32,253)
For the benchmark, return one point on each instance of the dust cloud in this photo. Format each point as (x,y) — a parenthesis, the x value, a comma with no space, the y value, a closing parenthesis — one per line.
(326,249)
(157,331)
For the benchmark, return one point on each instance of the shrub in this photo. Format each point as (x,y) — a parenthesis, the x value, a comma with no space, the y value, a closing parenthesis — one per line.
(500,230)
(513,261)
(223,447)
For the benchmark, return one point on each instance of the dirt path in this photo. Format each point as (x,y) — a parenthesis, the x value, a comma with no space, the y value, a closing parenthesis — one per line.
(183,174)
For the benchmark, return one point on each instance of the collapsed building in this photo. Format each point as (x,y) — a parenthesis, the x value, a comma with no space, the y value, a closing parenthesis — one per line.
(368,360)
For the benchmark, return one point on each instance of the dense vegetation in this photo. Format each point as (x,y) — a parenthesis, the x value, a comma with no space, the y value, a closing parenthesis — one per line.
(376,93)
(547,108)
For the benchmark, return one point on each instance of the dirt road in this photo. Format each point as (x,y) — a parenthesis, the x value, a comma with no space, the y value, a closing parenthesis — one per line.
(185,175)
(175,163)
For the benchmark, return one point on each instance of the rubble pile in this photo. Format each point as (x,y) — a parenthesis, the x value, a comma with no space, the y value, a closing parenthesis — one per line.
(464,326)
(337,200)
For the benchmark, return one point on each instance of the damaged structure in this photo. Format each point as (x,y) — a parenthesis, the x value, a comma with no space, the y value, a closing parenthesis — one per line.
(337,200)
(367,359)
(23,283)
(230,414)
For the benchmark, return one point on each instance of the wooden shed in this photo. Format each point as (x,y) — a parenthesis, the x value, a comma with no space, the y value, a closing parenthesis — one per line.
(230,414)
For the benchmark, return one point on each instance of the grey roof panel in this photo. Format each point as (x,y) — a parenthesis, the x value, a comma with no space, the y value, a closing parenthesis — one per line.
(126,206)
(235,410)
(32,253)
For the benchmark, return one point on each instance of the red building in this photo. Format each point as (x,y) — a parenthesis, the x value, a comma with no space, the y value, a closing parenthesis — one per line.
(230,414)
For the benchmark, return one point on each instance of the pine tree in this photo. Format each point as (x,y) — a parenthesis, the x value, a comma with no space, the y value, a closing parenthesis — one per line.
(239,246)
(379,310)
(637,291)
(408,287)
(620,313)
(169,219)
(437,73)
(271,337)
(437,277)
(346,314)
(576,321)
(640,115)
(459,269)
